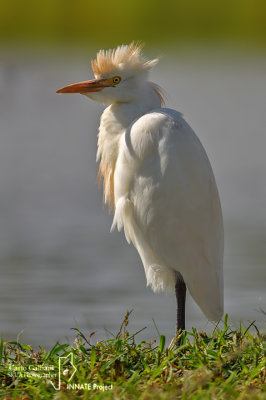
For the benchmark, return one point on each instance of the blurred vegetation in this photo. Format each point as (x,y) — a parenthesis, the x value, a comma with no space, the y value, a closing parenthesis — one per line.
(119,21)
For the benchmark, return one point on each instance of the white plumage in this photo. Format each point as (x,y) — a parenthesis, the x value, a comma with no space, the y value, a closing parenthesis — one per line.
(166,199)
(158,179)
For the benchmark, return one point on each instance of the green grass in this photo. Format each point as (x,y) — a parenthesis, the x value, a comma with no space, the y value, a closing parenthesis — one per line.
(227,364)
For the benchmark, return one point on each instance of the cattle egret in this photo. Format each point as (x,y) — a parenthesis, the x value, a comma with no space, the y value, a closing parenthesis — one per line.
(158,180)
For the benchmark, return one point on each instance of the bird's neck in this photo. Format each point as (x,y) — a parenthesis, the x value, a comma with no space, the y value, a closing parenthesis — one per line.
(119,116)
(114,121)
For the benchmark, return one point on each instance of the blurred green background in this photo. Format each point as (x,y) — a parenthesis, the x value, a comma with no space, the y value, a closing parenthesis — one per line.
(107,23)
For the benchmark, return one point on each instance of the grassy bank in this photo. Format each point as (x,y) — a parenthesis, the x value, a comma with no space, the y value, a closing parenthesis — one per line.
(227,364)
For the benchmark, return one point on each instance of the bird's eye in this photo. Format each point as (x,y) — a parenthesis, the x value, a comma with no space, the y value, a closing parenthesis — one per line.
(116,80)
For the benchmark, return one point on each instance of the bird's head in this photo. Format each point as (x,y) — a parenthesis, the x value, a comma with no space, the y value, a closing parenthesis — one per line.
(120,76)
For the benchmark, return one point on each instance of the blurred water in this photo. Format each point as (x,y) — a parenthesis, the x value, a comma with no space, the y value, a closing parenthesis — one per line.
(59,263)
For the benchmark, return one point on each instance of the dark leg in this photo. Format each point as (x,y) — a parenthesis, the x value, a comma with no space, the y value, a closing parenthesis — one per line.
(180,292)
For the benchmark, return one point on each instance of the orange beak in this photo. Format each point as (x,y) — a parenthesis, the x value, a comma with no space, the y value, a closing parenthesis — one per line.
(94,85)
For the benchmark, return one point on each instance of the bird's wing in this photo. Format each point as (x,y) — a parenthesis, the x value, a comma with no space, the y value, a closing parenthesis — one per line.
(167,200)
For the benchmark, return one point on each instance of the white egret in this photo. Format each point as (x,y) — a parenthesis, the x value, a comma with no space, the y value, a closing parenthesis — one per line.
(158,180)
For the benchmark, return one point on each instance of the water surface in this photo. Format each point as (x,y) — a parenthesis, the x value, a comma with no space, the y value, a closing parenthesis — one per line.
(59,263)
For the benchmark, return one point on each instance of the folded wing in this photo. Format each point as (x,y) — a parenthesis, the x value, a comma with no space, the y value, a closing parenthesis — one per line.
(167,201)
